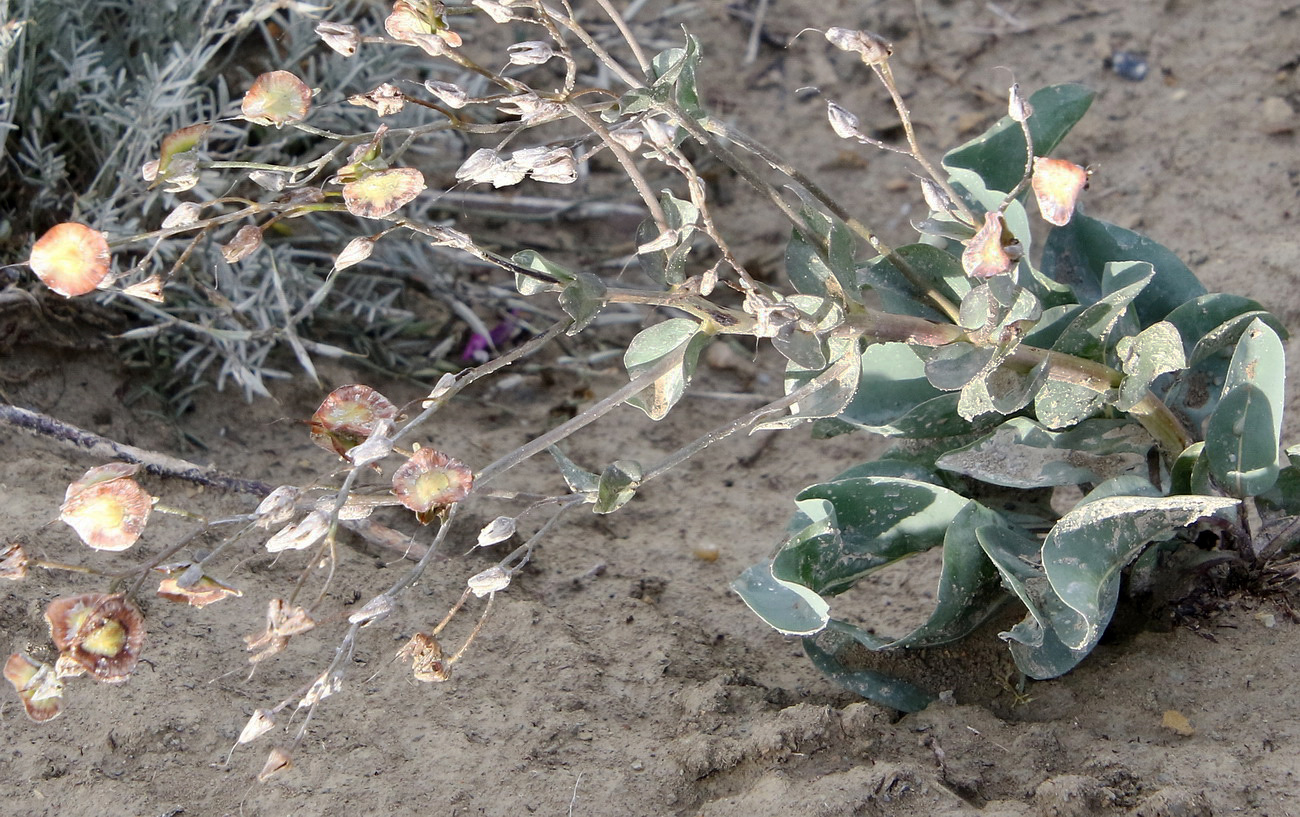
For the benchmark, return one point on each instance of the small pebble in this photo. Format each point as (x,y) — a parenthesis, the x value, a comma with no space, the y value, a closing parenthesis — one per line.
(1276,116)
(1130,65)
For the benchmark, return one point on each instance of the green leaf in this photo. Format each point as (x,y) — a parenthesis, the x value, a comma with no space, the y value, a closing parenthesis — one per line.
(833,647)
(968,593)
(895,399)
(1086,550)
(1051,325)
(667,267)
(831,398)
(872,521)
(617,486)
(1076,255)
(582,299)
(791,609)
(1060,404)
(939,270)
(531,259)
(997,158)
(1023,454)
(677,336)
(891,467)
(1089,334)
(1144,357)
(1243,437)
(1037,650)
(953,365)
(1201,316)
(808,270)
(803,342)
(674,73)
(1182,472)
(579,480)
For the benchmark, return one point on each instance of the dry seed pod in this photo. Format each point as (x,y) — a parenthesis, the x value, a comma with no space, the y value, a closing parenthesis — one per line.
(244,244)
(489,581)
(100,634)
(872,48)
(426,657)
(985,255)
(453,96)
(497,11)
(1018,108)
(185,214)
(269,180)
(377,608)
(356,251)
(347,417)
(282,622)
(70,258)
(150,289)
(277,507)
(498,530)
(37,686)
(276,98)
(558,166)
(341,37)
(530,52)
(277,761)
(13,562)
(1057,185)
(430,481)
(107,508)
(845,124)
(259,724)
(385,100)
(300,535)
(383,193)
(201,593)
(323,687)
(377,446)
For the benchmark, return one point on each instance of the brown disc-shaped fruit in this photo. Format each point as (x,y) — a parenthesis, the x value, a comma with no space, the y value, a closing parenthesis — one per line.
(347,417)
(102,634)
(430,481)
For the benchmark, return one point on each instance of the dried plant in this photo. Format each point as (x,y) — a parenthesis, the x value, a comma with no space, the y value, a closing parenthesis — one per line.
(1096,363)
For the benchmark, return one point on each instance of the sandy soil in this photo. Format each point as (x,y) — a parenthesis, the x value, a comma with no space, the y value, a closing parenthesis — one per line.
(618,675)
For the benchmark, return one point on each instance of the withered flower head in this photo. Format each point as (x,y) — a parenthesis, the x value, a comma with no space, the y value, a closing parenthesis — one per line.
(426,657)
(986,253)
(13,562)
(348,416)
(38,687)
(430,481)
(100,634)
(197,592)
(107,508)
(281,623)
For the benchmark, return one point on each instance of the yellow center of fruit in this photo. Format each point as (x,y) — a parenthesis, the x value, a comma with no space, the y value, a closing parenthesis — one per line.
(109,639)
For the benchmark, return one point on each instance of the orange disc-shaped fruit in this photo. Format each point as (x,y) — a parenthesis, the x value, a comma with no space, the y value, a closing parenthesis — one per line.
(107,508)
(383,193)
(71,259)
(430,481)
(347,417)
(276,98)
